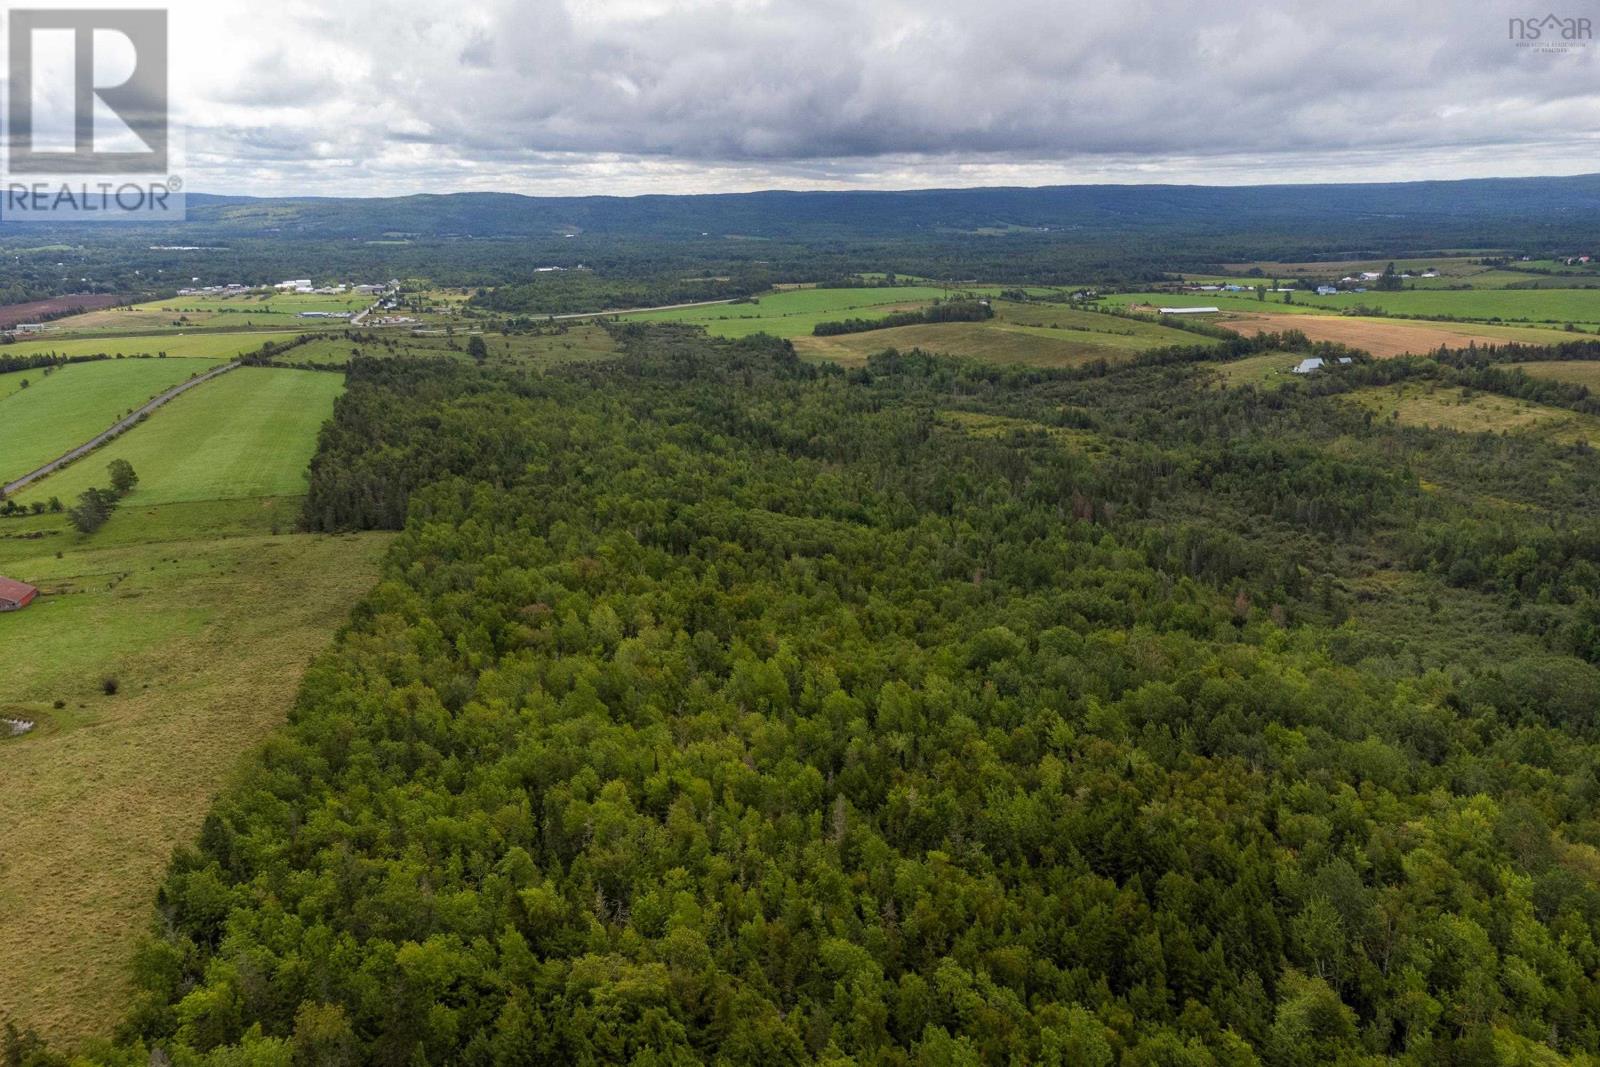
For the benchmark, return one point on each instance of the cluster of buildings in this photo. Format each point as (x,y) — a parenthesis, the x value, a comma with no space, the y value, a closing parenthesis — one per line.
(291,285)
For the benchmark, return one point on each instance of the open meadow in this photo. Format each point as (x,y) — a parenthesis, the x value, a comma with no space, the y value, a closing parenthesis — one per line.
(177,344)
(62,409)
(206,640)
(794,313)
(256,310)
(162,647)
(1449,408)
(1578,372)
(1043,335)
(249,433)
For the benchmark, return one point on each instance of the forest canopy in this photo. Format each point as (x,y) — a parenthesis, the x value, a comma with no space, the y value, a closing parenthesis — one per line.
(716,707)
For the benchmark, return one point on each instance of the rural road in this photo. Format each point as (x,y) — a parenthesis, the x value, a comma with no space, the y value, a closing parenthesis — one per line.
(639,311)
(121,427)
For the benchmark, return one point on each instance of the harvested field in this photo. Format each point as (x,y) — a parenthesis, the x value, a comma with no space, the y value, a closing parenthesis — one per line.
(55,307)
(1387,337)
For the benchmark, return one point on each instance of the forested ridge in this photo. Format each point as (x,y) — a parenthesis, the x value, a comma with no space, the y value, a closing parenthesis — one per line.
(715,707)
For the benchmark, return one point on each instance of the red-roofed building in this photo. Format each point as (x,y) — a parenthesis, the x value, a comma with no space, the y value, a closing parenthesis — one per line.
(14,596)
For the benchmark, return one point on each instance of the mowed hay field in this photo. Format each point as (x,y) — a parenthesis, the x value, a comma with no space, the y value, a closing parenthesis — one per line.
(274,310)
(1448,408)
(1387,337)
(249,433)
(1045,335)
(208,640)
(177,344)
(795,312)
(206,615)
(63,409)
(1578,372)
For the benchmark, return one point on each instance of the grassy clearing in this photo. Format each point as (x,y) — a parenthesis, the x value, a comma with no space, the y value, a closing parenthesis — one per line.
(63,409)
(271,310)
(208,640)
(982,424)
(1438,407)
(1264,371)
(1574,371)
(1548,306)
(1045,335)
(576,342)
(249,433)
(177,345)
(1527,305)
(1226,301)
(795,312)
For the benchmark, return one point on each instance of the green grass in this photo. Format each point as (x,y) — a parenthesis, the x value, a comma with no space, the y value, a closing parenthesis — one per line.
(1048,335)
(1264,371)
(59,411)
(1530,305)
(1550,306)
(795,312)
(219,345)
(208,639)
(1226,301)
(275,310)
(206,614)
(579,341)
(249,433)
(1448,408)
(1578,372)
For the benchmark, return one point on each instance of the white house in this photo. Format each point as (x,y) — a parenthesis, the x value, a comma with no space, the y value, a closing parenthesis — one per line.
(1327,290)
(1189,311)
(1306,366)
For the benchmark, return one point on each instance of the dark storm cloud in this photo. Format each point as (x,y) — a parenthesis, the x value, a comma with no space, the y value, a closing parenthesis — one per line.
(783,89)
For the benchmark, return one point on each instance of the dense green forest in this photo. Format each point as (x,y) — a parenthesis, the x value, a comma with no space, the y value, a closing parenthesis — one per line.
(717,707)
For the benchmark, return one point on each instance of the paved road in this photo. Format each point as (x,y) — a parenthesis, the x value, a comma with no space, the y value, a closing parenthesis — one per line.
(121,427)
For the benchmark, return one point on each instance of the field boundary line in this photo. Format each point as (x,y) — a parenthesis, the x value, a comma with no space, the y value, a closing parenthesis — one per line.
(122,426)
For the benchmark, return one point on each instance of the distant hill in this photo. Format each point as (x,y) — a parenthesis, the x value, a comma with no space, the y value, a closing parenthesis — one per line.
(1494,206)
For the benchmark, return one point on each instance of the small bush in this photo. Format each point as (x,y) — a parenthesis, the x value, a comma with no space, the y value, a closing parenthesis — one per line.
(110,686)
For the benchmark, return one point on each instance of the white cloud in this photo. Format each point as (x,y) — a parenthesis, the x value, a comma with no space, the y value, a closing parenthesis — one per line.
(709,95)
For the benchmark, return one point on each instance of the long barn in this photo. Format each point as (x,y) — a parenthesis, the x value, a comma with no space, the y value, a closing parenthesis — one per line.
(14,595)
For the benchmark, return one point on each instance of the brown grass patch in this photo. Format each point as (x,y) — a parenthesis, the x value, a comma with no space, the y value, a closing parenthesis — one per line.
(1386,338)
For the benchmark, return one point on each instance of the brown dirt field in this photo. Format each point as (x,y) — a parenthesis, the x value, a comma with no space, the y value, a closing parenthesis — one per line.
(56,307)
(1384,338)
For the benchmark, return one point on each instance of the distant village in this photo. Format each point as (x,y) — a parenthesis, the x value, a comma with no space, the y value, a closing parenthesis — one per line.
(304,287)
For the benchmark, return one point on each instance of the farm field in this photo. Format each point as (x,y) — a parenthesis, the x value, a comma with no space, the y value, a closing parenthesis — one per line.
(208,640)
(1388,337)
(1425,405)
(249,433)
(578,341)
(42,310)
(65,408)
(1578,372)
(1552,306)
(206,614)
(1224,301)
(1530,305)
(795,312)
(1046,335)
(1459,265)
(177,345)
(256,310)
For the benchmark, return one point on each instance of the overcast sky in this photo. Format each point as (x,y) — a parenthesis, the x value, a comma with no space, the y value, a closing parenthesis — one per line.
(599,96)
